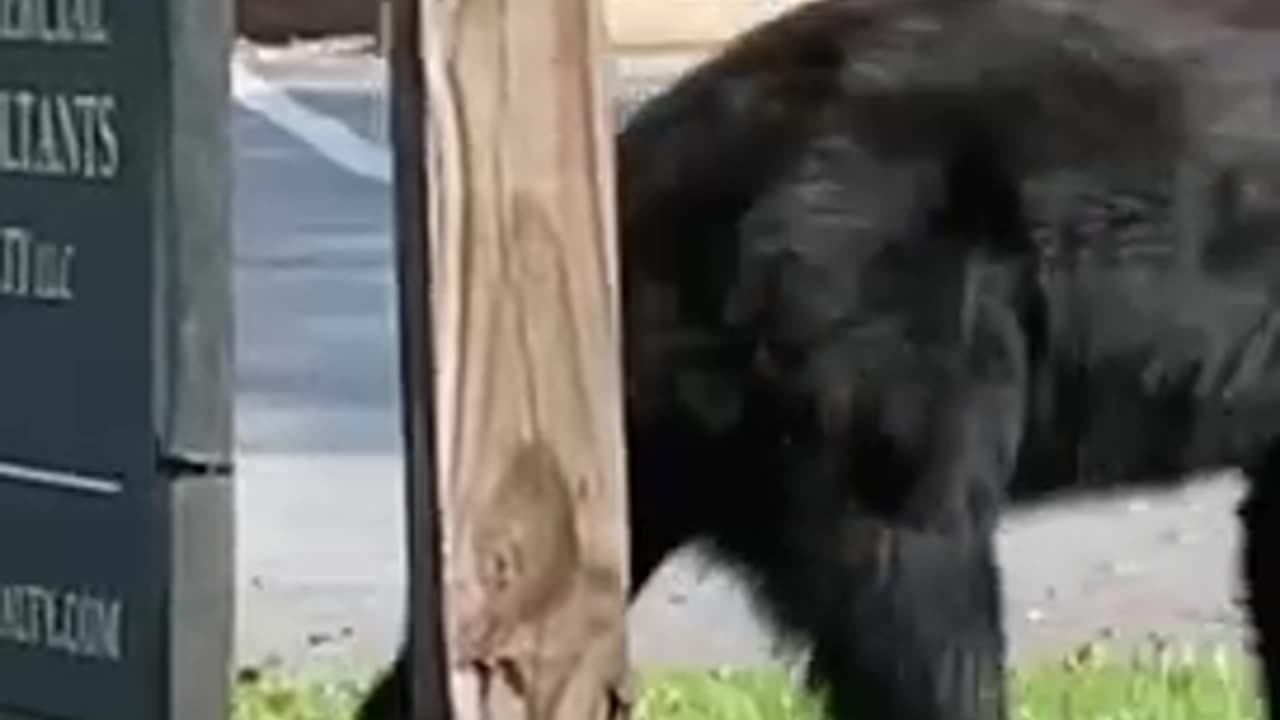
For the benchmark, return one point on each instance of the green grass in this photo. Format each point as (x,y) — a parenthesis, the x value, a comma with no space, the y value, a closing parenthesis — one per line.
(1157,682)
(267,695)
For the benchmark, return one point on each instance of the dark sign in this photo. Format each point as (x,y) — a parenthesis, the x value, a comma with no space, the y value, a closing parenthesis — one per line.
(88,225)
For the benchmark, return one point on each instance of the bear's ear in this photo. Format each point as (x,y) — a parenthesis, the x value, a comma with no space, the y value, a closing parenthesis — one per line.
(1225,193)
(1252,191)
(1249,184)
(1234,124)
(1241,228)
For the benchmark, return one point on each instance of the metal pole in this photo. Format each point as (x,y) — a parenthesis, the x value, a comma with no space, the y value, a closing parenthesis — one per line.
(427,666)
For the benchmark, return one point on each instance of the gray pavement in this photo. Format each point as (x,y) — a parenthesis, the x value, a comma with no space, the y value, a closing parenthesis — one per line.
(314,300)
(321,521)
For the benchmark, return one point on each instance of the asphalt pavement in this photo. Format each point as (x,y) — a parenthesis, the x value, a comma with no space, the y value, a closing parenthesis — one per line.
(319,485)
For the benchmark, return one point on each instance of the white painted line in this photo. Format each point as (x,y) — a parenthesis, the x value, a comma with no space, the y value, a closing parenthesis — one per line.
(59,479)
(327,136)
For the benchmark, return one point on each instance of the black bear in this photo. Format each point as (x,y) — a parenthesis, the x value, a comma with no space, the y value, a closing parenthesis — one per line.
(892,267)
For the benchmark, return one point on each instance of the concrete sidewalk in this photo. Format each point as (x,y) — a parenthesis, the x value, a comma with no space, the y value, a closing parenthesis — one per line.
(320,559)
(321,572)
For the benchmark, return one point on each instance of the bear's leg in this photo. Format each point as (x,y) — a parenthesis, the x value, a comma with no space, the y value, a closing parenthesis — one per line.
(1260,516)
(665,506)
(898,598)
(919,636)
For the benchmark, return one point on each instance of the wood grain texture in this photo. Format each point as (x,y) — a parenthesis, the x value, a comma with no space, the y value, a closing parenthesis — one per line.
(530,449)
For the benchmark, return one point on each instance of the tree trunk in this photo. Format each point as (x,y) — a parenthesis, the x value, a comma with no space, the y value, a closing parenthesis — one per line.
(526,327)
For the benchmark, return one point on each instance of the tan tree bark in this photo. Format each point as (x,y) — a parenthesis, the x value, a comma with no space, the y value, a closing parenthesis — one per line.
(530,448)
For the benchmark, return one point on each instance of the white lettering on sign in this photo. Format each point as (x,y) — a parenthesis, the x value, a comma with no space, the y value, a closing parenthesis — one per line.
(58,134)
(54,22)
(78,624)
(32,269)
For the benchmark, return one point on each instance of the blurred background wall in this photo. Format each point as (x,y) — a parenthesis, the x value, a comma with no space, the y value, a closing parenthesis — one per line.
(635,25)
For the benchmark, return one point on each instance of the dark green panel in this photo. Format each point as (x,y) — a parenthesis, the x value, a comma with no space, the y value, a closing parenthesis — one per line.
(88,233)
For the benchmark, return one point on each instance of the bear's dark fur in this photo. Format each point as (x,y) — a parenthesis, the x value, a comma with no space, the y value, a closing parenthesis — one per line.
(891,267)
